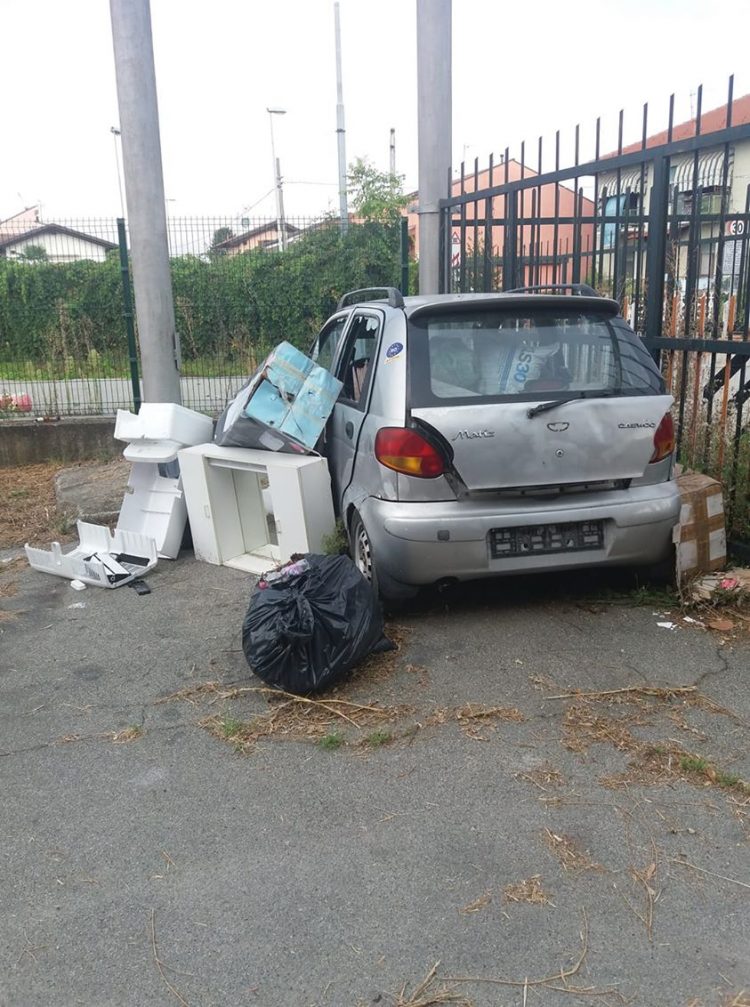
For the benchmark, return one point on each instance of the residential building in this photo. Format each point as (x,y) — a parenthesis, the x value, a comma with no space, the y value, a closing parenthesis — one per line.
(265,236)
(26,238)
(546,244)
(19,222)
(722,179)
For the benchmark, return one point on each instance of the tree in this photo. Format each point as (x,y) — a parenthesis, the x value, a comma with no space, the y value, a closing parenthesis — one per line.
(34,253)
(221,234)
(376,195)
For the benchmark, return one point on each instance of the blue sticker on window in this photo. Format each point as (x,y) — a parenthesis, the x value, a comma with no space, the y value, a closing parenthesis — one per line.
(394,349)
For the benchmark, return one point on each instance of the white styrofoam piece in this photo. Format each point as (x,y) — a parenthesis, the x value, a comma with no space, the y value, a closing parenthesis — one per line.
(154,506)
(225,504)
(94,558)
(155,452)
(163,421)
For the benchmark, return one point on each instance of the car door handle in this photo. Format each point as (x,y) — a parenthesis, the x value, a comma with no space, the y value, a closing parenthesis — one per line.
(349,429)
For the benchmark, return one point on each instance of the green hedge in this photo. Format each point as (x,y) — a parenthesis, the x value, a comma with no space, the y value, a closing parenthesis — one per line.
(225,306)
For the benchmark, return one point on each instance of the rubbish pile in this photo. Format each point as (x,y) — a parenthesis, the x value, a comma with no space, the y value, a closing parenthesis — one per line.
(724,586)
(153,514)
(256,492)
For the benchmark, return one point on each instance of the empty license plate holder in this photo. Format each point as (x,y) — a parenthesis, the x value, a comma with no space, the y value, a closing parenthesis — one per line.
(546,539)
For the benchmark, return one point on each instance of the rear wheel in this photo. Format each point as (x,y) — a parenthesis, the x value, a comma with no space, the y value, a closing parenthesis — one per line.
(361,548)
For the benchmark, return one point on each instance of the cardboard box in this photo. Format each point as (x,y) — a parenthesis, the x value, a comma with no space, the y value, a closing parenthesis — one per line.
(700,537)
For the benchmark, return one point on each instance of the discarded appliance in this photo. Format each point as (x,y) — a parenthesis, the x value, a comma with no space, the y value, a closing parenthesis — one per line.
(700,537)
(312,624)
(100,558)
(283,407)
(154,503)
(228,504)
(153,513)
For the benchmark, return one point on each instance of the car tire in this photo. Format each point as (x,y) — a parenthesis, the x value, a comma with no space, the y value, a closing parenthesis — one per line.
(387,589)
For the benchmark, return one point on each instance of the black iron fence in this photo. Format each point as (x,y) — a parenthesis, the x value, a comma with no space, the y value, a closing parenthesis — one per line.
(240,286)
(663,226)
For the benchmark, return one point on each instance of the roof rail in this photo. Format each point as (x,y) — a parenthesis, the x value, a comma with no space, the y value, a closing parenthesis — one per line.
(392,296)
(580,289)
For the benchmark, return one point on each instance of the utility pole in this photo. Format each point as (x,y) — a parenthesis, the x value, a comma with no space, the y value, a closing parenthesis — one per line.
(280,222)
(393,152)
(434,106)
(340,128)
(144,193)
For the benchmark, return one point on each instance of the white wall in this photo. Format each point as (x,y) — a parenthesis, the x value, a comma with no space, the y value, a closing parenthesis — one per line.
(59,247)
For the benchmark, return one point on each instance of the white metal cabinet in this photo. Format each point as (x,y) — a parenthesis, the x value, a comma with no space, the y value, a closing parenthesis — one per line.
(225,502)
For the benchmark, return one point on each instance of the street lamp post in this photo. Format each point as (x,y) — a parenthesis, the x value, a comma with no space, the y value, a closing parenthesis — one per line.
(115,133)
(280,223)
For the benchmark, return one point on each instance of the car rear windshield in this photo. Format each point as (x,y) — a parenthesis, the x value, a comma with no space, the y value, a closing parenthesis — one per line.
(522,354)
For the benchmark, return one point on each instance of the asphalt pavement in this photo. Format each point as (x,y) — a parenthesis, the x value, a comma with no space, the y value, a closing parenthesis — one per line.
(574,850)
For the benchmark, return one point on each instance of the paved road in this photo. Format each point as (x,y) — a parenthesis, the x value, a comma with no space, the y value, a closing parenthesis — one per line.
(293,876)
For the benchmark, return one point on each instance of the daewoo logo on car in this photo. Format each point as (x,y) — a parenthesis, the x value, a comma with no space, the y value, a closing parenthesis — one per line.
(636,426)
(470,435)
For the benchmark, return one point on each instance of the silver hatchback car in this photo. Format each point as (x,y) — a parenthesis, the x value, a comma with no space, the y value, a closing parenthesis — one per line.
(480,435)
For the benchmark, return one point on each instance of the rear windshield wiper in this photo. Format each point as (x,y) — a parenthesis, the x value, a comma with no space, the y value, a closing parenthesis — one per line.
(545,407)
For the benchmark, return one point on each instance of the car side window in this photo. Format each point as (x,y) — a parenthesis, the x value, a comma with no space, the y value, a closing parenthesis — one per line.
(357,359)
(324,351)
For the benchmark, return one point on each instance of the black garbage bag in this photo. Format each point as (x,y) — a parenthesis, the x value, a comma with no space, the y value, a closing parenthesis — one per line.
(311,623)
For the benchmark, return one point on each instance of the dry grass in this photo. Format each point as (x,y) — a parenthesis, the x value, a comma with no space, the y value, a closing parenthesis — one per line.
(292,717)
(530,891)
(475,719)
(741,999)
(129,734)
(741,811)
(8,585)
(557,981)
(544,777)
(654,764)
(583,726)
(569,853)
(28,510)
(295,718)
(428,993)
(643,695)
(378,667)
(477,905)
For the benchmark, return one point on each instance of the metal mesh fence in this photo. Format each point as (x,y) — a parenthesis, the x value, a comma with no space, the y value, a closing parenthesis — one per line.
(240,286)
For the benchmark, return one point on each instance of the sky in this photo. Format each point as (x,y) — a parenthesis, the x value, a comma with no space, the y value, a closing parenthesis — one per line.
(519,71)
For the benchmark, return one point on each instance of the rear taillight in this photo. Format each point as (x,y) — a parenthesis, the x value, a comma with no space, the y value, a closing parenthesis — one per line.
(409,452)
(663,439)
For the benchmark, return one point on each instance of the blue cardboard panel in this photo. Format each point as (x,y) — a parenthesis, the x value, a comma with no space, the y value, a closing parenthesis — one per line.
(296,397)
(287,368)
(312,407)
(267,405)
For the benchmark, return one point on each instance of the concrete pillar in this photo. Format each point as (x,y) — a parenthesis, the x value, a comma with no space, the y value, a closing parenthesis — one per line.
(144,192)
(434,131)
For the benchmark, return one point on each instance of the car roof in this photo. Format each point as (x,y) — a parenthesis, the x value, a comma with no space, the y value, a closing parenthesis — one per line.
(424,303)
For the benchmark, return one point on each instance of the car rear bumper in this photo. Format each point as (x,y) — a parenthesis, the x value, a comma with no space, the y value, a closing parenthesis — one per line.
(421,543)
